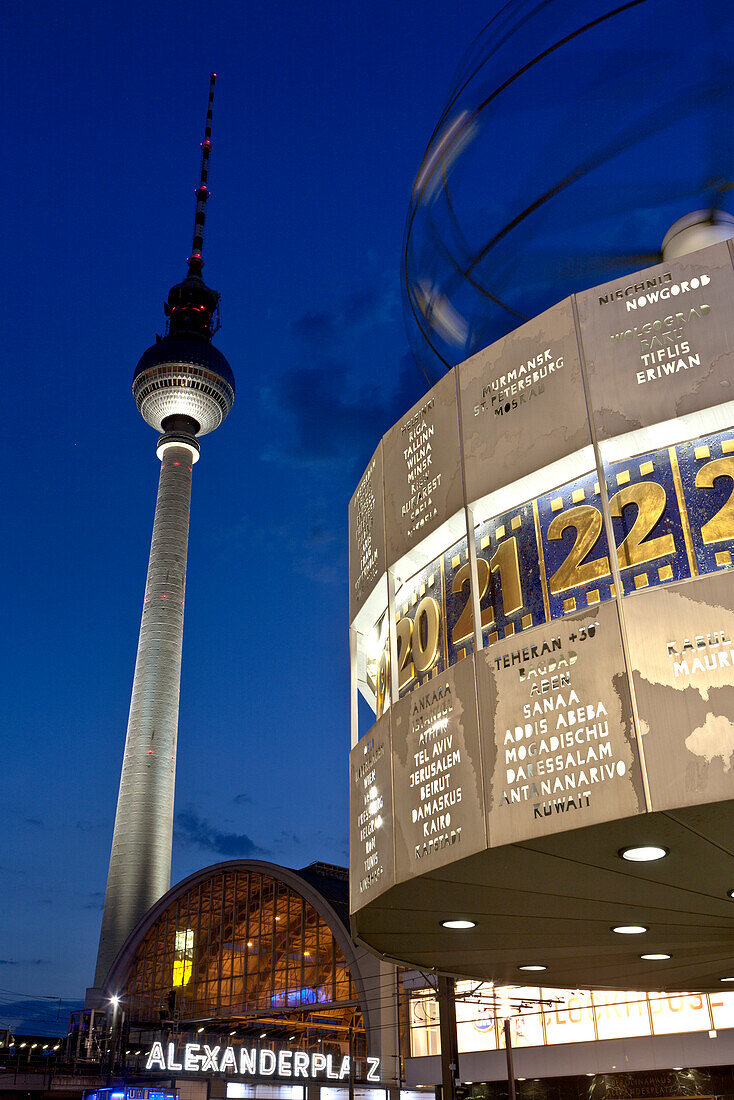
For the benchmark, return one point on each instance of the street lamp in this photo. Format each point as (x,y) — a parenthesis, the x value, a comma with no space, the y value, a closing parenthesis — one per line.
(115,1002)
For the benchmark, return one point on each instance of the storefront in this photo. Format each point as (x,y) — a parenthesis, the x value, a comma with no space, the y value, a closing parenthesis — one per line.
(576,1044)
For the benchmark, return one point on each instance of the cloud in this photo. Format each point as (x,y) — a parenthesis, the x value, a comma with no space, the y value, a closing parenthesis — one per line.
(29,1016)
(192,829)
(24,962)
(331,423)
(95,900)
(366,305)
(334,418)
(360,310)
(320,551)
(346,384)
(286,837)
(314,326)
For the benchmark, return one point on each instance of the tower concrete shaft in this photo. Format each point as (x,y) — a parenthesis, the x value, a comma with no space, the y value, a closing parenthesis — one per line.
(140,863)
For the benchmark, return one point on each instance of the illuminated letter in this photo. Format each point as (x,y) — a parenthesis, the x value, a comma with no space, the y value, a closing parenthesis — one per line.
(267,1063)
(300,1064)
(228,1061)
(155,1058)
(248,1061)
(210,1059)
(191,1059)
(318,1064)
(171,1063)
(284,1063)
(344,1068)
(330,1069)
(374,1064)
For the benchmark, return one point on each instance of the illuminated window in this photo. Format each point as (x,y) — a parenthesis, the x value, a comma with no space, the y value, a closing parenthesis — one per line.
(183,956)
(547,1016)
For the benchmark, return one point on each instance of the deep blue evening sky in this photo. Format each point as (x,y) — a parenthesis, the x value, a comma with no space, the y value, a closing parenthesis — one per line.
(321,115)
(322,112)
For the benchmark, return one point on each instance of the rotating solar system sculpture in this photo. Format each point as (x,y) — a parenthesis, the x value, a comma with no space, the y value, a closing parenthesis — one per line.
(541,596)
(575,136)
(184,388)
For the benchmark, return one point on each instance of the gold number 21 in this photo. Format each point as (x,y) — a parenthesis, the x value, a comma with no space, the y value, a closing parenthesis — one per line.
(504,561)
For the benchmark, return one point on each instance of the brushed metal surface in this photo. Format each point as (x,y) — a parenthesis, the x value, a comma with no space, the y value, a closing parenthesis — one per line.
(140,862)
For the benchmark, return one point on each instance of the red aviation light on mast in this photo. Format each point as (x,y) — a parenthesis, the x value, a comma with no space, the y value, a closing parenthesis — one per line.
(195,260)
(192,307)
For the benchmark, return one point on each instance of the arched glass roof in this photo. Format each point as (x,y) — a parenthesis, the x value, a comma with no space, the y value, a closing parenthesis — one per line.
(236,941)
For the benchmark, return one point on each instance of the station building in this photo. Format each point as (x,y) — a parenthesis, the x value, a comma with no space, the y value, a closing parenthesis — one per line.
(251,957)
(257,960)
(243,980)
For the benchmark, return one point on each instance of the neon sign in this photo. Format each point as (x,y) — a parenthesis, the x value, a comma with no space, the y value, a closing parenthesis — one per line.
(249,1062)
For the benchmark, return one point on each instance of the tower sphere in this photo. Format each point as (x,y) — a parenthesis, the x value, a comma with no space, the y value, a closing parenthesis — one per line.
(184,376)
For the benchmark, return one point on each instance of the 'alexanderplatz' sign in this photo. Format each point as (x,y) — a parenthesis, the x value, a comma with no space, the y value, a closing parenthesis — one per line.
(542,620)
(242,1061)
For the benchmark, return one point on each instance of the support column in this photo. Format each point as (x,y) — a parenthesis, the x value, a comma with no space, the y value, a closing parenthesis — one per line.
(140,863)
(449,1042)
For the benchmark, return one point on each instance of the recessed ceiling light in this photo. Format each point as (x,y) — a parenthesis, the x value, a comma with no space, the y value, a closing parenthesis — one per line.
(727,979)
(458,924)
(532,966)
(655,958)
(629,929)
(646,853)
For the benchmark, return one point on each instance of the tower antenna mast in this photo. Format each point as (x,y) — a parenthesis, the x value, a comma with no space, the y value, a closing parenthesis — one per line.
(195,260)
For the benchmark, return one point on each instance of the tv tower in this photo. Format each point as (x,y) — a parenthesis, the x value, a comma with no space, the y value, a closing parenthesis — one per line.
(184,388)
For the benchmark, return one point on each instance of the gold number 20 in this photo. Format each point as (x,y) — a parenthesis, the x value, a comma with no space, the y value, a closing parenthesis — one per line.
(418,641)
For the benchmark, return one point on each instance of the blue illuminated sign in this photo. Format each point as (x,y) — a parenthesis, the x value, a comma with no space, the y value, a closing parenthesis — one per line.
(131,1093)
(308,995)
